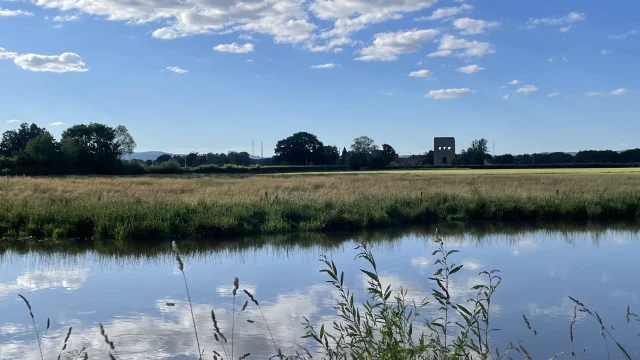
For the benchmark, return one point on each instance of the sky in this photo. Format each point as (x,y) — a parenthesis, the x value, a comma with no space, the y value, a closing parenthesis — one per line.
(215,75)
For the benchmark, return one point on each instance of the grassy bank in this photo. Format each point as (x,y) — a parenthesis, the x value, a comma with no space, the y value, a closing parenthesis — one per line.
(136,208)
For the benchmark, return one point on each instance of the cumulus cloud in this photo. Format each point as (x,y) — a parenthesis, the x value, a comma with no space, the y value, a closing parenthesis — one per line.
(462,48)
(353,15)
(470,69)
(570,18)
(446,12)
(553,94)
(594,93)
(470,26)
(57,123)
(440,53)
(387,46)
(605,52)
(622,36)
(13,121)
(446,94)
(67,62)
(234,48)
(514,82)
(4,54)
(324,66)
(505,97)
(14,13)
(66,18)
(421,73)
(618,92)
(566,28)
(387,93)
(527,89)
(176,70)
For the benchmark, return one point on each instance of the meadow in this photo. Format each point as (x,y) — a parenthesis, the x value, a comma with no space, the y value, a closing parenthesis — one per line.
(157,207)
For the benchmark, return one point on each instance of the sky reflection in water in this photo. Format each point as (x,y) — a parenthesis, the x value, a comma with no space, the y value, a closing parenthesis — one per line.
(129,294)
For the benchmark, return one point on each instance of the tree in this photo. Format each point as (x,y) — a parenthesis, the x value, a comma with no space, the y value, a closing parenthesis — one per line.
(301,148)
(363,145)
(192,159)
(331,155)
(14,141)
(124,140)
(344,158)
(91,148)
(476,154)
(429,158)
(163,158)
(239,158)
(41,156)
(388,153)
(505,159)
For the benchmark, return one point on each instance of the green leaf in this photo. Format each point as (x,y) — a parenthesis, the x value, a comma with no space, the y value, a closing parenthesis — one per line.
(452,252)
(626,354)
(456,269)
(371,275)
(322,331)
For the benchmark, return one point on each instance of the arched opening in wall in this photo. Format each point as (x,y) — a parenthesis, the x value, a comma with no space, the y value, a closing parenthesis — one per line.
(445,160)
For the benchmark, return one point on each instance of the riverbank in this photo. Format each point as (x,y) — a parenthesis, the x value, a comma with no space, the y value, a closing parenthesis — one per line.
(144,208)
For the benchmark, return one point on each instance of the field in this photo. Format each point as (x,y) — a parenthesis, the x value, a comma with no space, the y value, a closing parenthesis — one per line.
(152,207)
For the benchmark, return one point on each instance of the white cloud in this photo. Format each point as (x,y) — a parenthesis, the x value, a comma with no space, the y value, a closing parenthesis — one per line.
(505,97)
(605,52)
(13,121)
(594,93)
(421,73)
(450,43)
(553,94)
(446,12)
(527,89)
(67,62)
(420,262)
(57,26)
(446,94)
(440,53)
(234,48)
(57,123)
(66,18)
(472,27)
(618,92)
(387,46)
(470,69)
(7,55)
(14,13)
(176,70)
(331,45)
(324,66)
(565,60)
(514,82)
(47,279)
(550,59)
(561,21)
(622,36)
(353,15)
(387,93)
(245,37)
(566,28)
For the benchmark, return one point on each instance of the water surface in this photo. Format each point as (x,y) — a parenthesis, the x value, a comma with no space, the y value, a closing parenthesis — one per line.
(130,290)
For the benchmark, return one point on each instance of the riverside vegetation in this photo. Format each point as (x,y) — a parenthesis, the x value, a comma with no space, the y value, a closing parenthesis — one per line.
(389,325)
(137,208)
(145,208)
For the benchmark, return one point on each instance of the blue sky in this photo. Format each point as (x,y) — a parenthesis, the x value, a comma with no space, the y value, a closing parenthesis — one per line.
(214,75)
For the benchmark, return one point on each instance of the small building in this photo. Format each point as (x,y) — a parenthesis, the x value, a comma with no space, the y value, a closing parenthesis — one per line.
(444,151)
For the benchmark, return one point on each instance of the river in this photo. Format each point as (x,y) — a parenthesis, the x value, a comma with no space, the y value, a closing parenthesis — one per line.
(138,293)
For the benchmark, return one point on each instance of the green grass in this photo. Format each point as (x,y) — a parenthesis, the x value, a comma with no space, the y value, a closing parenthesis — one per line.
(142,208)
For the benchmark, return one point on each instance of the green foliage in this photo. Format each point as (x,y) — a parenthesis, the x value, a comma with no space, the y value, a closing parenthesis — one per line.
(93,148)
(15,141)
(301,148)
(476,154)
(393,327)
(124,140)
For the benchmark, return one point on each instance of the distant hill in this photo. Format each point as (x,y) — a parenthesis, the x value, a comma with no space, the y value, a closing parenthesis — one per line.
(145,155)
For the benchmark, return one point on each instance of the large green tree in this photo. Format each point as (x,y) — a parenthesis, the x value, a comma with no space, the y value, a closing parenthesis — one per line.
(476,154)
(301,148)
(93,148)
(14,141)
(40,156)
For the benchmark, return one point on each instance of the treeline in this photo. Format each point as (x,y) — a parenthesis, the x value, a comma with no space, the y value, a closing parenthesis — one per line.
(100,149)
(82,149)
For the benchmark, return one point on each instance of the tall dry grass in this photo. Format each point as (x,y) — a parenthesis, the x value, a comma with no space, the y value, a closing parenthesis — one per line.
(150,207)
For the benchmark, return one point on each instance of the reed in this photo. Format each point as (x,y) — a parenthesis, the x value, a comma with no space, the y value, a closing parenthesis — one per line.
(127,209)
